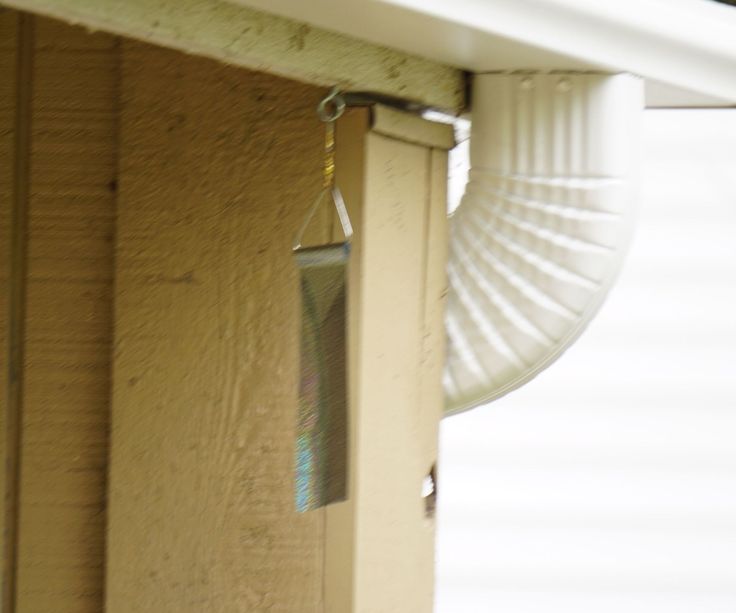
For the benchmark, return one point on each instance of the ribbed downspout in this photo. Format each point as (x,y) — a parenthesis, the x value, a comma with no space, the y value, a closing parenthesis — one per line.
(542,229)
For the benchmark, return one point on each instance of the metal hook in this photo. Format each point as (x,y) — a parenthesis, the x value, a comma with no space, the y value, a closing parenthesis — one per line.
(332,106)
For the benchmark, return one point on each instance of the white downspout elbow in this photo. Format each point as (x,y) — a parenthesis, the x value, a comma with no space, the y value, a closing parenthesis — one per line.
(542,229)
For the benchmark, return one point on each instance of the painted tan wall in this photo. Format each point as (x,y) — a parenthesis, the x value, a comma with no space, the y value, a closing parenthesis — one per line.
(218,166)
(59,523)
(195,176)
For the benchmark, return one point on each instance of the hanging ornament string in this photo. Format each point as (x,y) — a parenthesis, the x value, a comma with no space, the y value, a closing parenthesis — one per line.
(321,475)
(329,111)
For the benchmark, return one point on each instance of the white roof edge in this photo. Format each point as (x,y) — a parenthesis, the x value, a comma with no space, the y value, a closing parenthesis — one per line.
(687,43)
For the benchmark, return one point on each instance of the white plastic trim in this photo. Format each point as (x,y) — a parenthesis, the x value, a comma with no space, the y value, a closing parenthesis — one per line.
(686,43)
(542,229)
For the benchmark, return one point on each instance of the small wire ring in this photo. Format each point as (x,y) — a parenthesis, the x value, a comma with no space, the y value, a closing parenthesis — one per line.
(332,107)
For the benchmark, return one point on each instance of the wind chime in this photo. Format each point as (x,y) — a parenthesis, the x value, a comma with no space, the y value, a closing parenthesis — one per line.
(322,440)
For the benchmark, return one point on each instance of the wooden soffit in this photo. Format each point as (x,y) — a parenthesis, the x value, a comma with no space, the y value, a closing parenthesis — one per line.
(257,40)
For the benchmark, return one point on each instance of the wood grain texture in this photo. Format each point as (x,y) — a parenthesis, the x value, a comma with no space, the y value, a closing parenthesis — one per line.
(68,321)
(217,169)
(261,41)
(16,313)
(8,46)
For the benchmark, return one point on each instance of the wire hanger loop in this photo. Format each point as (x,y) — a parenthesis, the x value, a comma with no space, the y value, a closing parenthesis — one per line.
(332,106)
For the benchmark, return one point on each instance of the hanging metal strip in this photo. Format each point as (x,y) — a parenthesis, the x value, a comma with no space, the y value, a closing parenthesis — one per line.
(322,426)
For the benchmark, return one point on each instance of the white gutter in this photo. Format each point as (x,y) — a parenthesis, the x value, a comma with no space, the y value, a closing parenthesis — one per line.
(542,229)
(687,43)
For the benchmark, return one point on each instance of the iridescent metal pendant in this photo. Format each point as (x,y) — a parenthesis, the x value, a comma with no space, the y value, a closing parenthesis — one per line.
(322,427)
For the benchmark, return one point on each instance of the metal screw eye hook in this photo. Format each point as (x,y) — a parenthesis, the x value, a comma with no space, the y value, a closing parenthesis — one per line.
(332,106)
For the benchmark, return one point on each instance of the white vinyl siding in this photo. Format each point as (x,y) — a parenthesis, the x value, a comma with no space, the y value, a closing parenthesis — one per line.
(608,484)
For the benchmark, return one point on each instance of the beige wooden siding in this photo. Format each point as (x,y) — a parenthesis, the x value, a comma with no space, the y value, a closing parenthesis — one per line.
(218,166)
(60,516)
(163,194)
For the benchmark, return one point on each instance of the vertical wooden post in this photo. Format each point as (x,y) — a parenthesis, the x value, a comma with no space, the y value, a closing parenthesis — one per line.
(392,168)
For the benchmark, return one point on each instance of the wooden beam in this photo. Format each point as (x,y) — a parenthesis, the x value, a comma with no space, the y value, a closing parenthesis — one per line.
(261,41)
(380,543)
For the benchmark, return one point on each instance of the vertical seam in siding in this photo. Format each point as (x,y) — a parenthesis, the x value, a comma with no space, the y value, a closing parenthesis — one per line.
(108,436)
(17,305)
